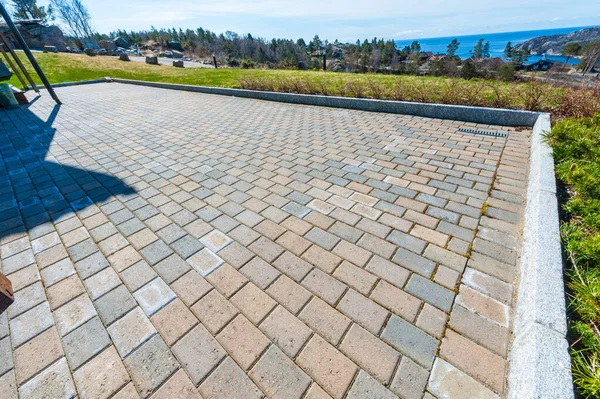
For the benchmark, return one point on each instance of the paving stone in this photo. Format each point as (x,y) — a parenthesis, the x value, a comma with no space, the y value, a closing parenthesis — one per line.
(30,324)
(227,280)
(479,329)
(278,376)
(174,320)
(323,285)
(151,365)
(124,258)
(446,381)
(114,304)
(215,241)
(85,342)
(186,246)
(73,314)
(214,311)
(414,262)
(26,298)
(54,382)
(488,285)
(8,385)
(253,303)
(432,320)
(138,275)
(327,366)
(293,266)
(322,238)
(243,341)
(101,283)
(57,272)
(483,305)
(410,379)
(91,265)
(18,261)
(324,260)
(260,272)
(370,353)
(190,287)
(156,252)
(325,320)
(364,311)
(366,386)
(178,386)
(6,359)
(199,353)
(396,300)
(355,277)
(445,257)
(228,381)
(131,331)
(430,292)
(205,262)
(286,331)
(36,355)
(290,294)
(475,360)
(154,296)
(410,341)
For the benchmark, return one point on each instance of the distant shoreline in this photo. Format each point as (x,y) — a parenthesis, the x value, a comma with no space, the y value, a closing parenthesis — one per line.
(497,42)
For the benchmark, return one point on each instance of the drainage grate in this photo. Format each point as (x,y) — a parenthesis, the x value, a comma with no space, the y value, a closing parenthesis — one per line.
(484,132)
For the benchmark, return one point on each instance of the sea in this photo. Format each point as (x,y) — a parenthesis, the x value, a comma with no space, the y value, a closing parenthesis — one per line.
(497,43)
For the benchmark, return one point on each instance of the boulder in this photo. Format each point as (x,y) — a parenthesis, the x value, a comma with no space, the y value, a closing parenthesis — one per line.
(107,45)
(124,57)
(152,60)
(120,42)
(178,63)
(89,51)
(50,49)
(176,46)
(37,36)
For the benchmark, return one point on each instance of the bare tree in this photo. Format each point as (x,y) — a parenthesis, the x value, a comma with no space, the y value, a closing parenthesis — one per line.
(77,20)
(591,55)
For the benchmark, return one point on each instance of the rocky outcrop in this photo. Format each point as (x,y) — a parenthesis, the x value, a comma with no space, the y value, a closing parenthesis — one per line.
(37,35)
(553,45)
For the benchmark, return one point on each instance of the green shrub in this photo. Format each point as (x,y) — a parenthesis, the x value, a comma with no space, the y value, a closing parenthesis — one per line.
(576,144)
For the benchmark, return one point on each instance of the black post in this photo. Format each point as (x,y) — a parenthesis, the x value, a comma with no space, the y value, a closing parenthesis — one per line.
(32,59)
(215,61)
(324,61)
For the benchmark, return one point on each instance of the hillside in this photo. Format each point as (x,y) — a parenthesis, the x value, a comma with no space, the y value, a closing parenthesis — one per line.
(554,44)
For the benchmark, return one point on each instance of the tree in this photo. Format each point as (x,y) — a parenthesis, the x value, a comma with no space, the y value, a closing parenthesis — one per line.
(508,50)
(570,50)
(415,47)
(478,49)
(486,50)
(77,20)
(468,70)
(452,48)
(591,55)
(28,9)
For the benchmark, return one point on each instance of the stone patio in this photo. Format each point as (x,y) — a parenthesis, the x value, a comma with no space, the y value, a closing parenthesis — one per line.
(168,244)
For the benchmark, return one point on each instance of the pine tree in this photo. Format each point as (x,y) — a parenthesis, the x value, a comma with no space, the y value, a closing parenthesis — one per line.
(478,49)
(508,50)
(452,48)
(486,50)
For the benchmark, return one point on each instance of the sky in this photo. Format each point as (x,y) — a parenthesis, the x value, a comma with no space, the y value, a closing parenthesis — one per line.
(346,20)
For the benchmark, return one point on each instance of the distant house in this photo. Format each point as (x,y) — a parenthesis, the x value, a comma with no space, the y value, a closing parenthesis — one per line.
(540,65)
(436,58)
(425,55)
(488,64)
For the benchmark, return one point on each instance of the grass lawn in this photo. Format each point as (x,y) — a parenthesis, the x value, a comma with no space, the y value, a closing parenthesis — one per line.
(62,67)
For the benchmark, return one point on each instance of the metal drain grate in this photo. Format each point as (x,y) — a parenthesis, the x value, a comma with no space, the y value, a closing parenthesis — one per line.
(484,132)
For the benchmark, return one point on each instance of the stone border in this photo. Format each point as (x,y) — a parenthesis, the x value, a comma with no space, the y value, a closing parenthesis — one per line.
(483,115)
(540,363)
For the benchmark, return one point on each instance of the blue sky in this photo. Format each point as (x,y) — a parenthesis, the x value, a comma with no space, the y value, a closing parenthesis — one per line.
(345,20)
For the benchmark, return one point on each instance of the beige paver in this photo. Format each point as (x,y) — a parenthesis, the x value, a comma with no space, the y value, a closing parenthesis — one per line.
(322,253)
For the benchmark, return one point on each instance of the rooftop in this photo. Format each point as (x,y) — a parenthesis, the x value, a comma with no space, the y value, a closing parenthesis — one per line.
(169,244)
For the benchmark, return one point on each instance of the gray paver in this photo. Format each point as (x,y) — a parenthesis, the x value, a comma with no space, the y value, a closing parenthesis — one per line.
(410,340)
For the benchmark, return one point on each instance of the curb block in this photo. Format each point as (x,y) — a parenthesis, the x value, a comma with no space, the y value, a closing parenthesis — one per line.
(483,115)
(540,363)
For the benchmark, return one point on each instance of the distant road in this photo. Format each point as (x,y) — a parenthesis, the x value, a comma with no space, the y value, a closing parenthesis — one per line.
(169,62)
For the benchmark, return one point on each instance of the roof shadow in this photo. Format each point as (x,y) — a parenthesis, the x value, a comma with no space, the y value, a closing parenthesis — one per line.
(35,191)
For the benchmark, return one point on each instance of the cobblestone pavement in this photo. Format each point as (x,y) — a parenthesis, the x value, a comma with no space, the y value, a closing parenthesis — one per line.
(168,244)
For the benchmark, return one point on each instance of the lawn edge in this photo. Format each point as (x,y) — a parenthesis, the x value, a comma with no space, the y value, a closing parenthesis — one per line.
(540,363)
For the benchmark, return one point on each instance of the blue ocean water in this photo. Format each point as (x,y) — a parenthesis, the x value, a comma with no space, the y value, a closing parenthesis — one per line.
(497,42)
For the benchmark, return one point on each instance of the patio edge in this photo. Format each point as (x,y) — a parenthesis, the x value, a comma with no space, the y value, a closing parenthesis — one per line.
(482,115)
(540,363)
